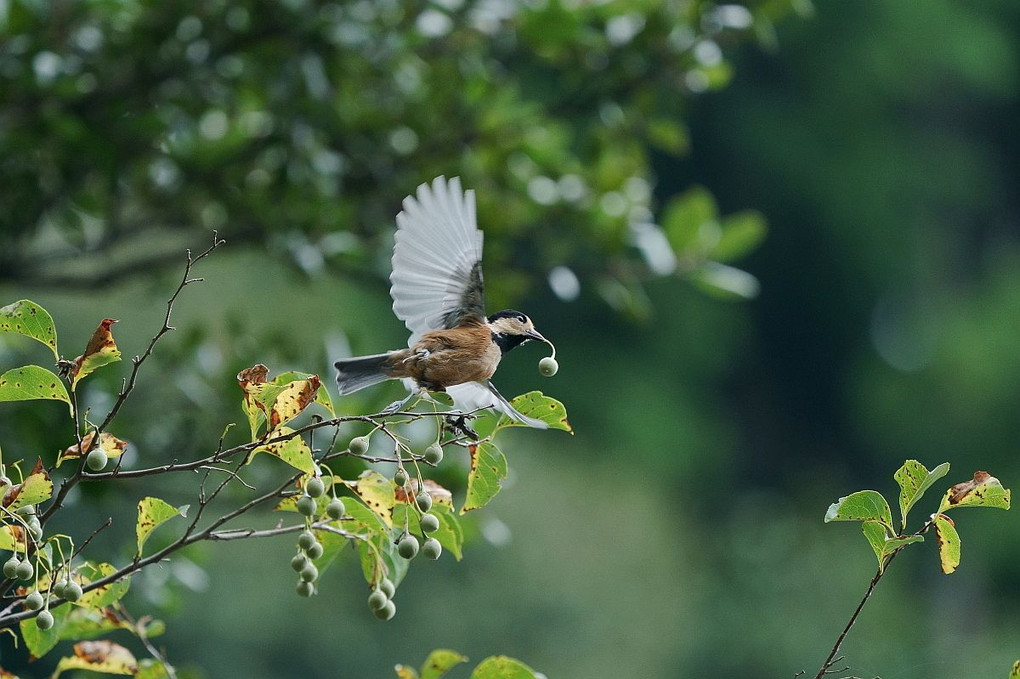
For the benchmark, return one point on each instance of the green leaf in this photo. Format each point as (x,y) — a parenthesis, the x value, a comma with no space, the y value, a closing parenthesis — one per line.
(742,233)
(725,282)
(949,543)
(488,469)
(405,672)
(294,451)
(914,478)
(27,318)
(107,594)
(439,662)
(332,545)
(102,656)
(37,487)
(40,642)
(539,406)
(32,382)
(685,215)
(502,667)
(882,544)
(864,505)
(152,513)
(378,493)
(984,490)
(152,669)
(87,623)
(101,350)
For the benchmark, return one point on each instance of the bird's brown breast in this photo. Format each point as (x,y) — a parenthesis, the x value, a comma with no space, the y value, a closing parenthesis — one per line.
(444,358)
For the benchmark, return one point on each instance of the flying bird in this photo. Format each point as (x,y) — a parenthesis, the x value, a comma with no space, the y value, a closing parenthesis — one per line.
(437,290)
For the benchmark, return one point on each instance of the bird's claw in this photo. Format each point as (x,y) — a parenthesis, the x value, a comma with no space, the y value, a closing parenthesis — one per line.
(458,423)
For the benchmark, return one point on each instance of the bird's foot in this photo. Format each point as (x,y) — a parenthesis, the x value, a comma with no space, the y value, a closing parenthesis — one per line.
(396,406)
(458,423)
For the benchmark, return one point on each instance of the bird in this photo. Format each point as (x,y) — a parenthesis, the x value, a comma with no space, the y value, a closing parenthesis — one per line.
(438,292)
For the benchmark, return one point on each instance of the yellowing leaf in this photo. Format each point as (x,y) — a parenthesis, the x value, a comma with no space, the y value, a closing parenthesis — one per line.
(252,381)
(294,451)
(321,395)
(1015,674)
(108,443)
(488,469)
(378,494)
(101,656)
(405,672)
(152,513)
(101,350)
(280,400)
(106,595)
(30,383)
(502,667)
(984,490)
(151,668)
(36,488)
(949,543)
(292,400)
(864,505)
(27,318)
(439,662)
(13,538)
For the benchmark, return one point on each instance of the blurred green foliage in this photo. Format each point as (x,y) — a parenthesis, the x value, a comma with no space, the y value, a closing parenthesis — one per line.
(878,138)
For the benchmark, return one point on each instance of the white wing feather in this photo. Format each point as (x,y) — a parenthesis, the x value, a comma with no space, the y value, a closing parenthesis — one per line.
(437,246)
(475,395)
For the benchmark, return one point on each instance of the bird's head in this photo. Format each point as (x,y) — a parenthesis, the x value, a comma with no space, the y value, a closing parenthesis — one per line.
(511,328)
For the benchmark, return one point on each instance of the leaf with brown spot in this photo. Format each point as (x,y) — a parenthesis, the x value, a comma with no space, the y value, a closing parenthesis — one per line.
(984,490)
(440,495)
(27,318)
(488,470)
(294,451)
(949,543)
(30,383)
(101,350)
(103,596)
(252,381)
(37,487)
(108,443)
(378,493)
(292,400)
(13,538)
(101,656)
(539,406)
(152,513)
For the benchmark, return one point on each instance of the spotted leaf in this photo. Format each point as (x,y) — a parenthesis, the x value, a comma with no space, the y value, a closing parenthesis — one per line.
(864,505)
(30,383)
(37,487)
(485,478)
(378,494)
(294,451)
(984,490)
(539,406)
(27,318)
(949,543)
(100,656)
(152,513)
(101,350)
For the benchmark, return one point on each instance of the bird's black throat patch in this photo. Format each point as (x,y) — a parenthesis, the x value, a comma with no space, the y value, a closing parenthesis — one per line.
(506,341)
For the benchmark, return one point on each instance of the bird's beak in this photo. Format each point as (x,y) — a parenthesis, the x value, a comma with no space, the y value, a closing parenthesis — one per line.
(536,335)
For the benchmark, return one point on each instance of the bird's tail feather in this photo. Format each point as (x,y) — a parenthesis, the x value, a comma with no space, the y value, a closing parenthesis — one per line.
(357,373)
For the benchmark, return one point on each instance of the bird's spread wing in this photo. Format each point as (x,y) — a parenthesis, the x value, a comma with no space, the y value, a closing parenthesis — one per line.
(437,260)
(474,395)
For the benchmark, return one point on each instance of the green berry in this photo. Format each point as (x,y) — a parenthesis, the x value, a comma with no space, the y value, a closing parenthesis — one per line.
(73,591)
(377,599)
(548,366)
(299,562)
(309,573)
(424,501)
(315,551)
(429,523)
(34,527)
(335,508)
(305,589)
(34,601)
(408,547)
(96,460)
(434,454)
(59,589)
(358,445)
(307,505)
(44,620)
(387,587)
(400,476)
(432,549)
(24,571)
(387,611)
(315,487)
(27,510)
(306,540)
(11,567)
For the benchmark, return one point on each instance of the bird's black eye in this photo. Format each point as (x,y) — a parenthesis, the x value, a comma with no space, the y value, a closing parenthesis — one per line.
(522,318)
